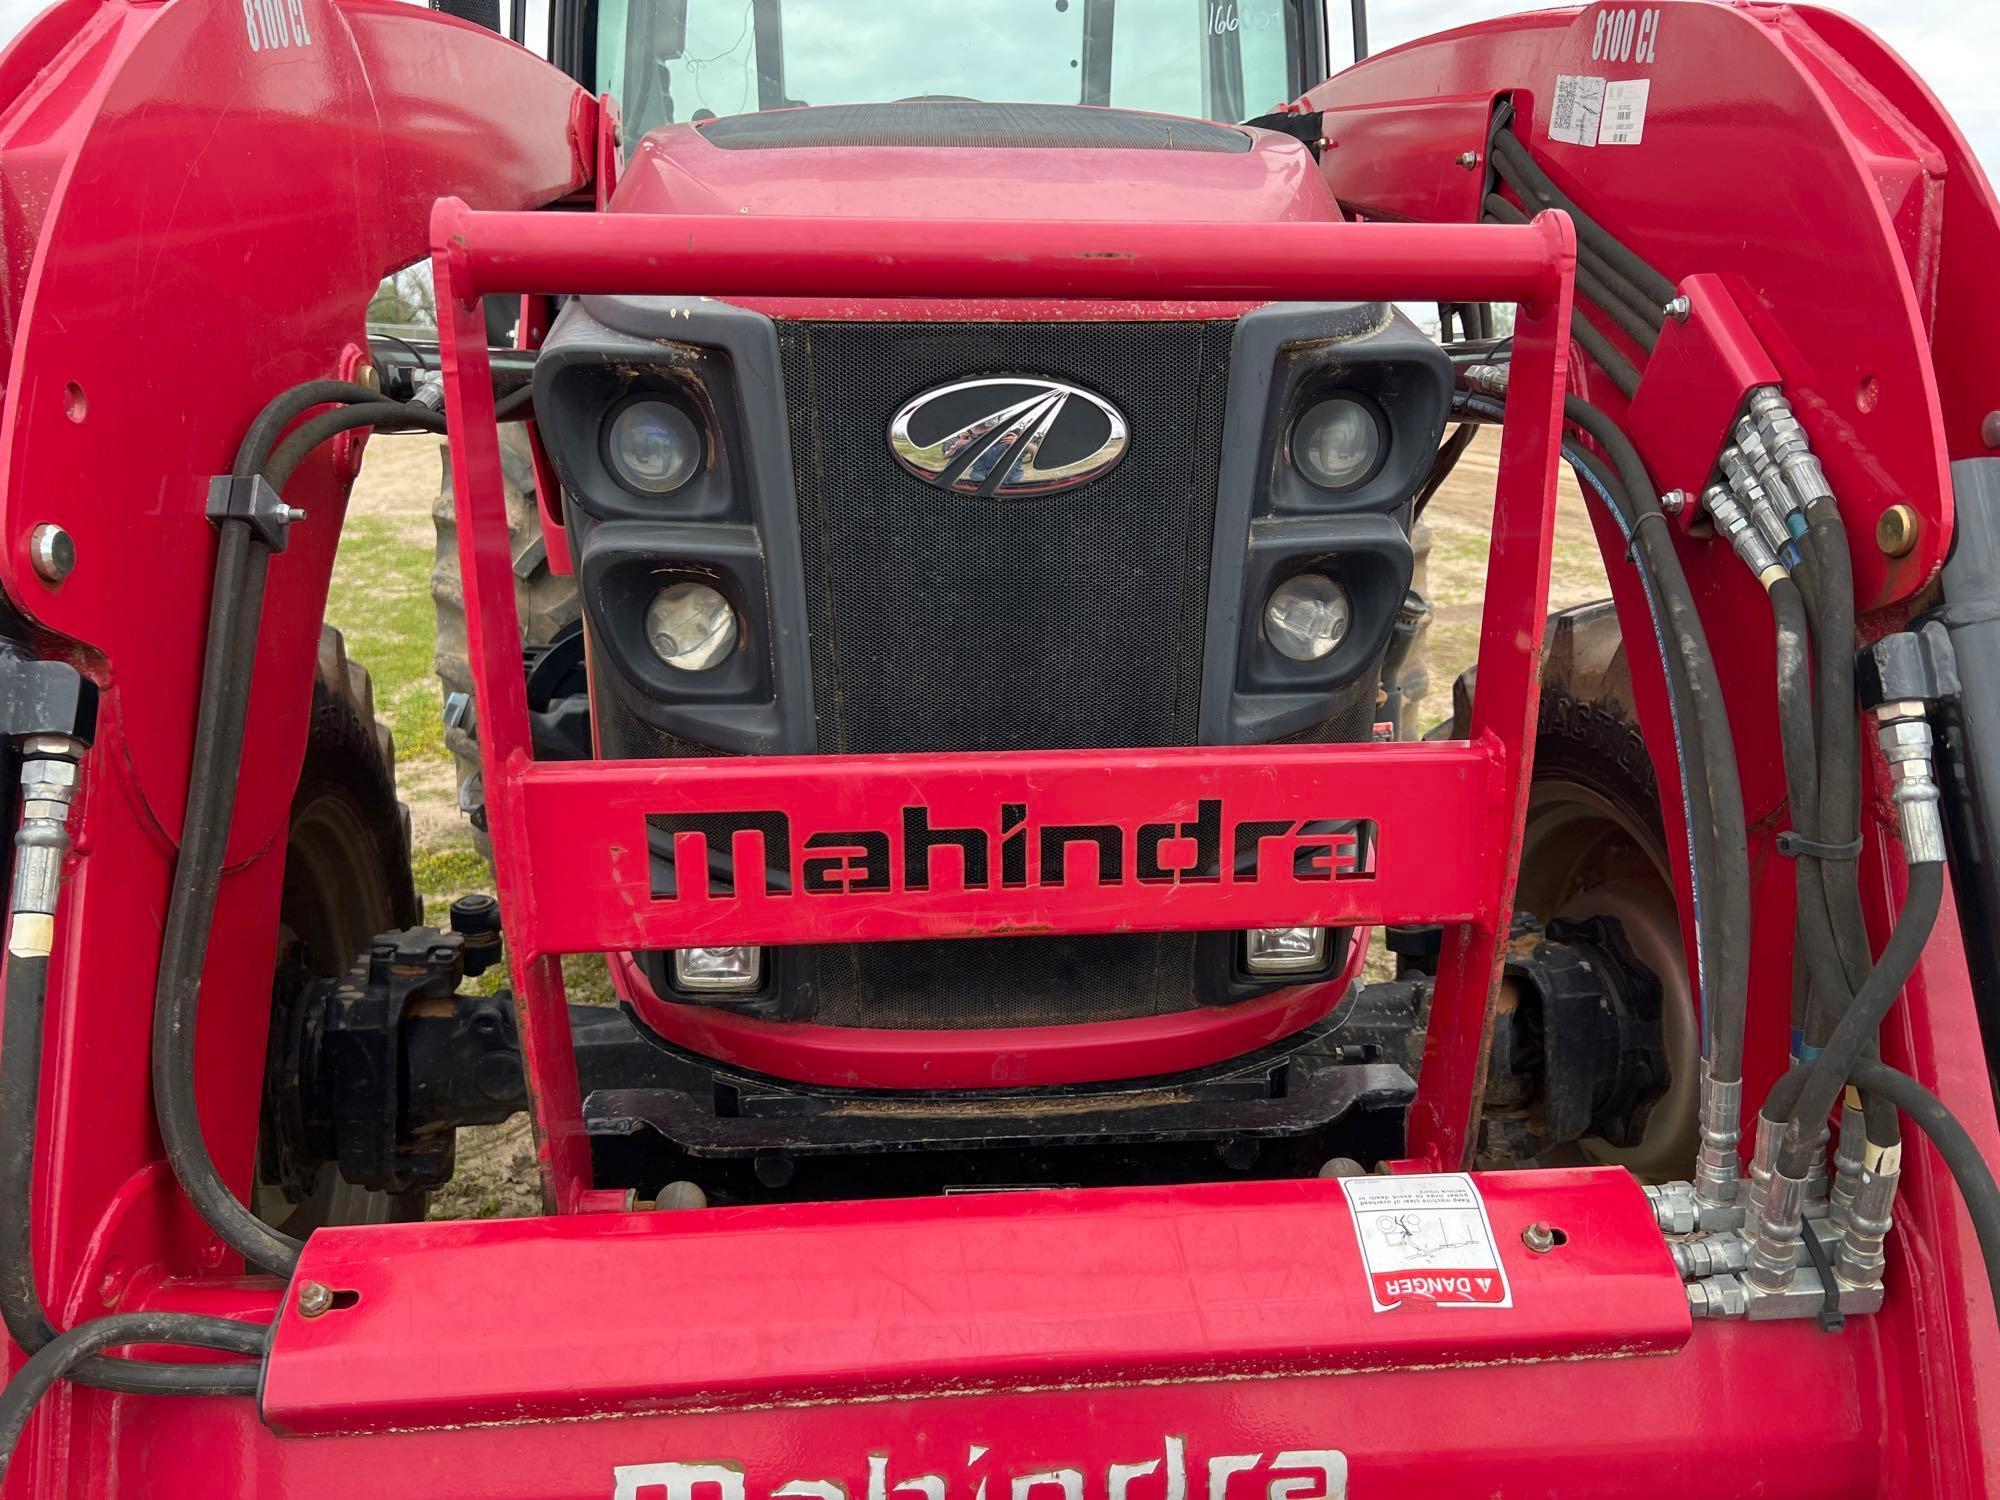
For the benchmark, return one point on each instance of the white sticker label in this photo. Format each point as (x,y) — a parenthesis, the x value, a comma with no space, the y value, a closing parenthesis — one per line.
(1578,106)
(1624,113)
(1425,1240)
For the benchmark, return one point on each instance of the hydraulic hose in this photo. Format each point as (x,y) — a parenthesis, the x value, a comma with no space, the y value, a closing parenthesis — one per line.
(1728,954)
(1960,1152)
(1622,372)
(1600,483)
(20,1299)
(1856,1029)
(66,1354)
(1521,173)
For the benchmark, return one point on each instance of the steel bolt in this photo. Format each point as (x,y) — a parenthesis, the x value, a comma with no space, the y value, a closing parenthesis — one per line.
(52,552)
(1896,532)
(1468,159)
(1539,1237)
(369,376)
(1673,502)
(1678,309)
(315,1297)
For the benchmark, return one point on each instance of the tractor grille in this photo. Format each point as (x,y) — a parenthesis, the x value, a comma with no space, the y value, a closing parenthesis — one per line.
(949,622)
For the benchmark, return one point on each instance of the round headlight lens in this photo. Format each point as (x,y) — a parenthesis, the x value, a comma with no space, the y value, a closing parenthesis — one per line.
(653,447)
(1307,616)
(1337,443)
(690,627)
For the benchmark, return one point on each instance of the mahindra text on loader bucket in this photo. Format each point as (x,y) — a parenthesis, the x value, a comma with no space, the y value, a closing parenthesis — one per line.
(931,597)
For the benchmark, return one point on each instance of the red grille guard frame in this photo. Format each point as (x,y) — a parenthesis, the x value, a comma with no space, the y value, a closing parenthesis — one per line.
(570,841)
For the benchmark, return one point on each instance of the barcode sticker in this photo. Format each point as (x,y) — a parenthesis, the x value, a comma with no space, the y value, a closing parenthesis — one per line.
(1624,113)
(1578,105)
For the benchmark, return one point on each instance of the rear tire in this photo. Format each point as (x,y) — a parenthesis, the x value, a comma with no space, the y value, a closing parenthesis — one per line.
(347,877)
(546,601)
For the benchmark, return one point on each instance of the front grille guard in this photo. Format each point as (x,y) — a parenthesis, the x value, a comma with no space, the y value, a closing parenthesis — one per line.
(570,847)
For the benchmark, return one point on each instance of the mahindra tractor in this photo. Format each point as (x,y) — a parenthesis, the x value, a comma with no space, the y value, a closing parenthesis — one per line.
(930,596)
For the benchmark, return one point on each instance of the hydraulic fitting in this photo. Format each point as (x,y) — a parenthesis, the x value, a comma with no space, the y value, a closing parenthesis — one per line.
(1774,1249)
(1711,1255)
(1757,502)
(1715,1169)
(1905,737)
(1490,380)
(1673,1206)
(1731,521)
(48,787)
(1722,1296)
(1818,1184)
(1770,476)
(1785,440)
(1848,1161)
(1762,1153)
(1858,1261)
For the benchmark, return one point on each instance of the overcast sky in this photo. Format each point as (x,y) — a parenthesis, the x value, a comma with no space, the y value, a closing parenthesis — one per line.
(1953,44)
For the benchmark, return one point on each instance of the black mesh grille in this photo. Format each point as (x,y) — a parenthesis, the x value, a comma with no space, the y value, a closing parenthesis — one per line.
(945,622)
(951,622)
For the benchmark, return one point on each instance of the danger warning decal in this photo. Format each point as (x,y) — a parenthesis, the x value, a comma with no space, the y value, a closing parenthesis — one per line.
(1425,1241)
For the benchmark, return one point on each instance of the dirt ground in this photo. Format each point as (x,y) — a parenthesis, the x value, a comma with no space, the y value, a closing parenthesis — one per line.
(381,599)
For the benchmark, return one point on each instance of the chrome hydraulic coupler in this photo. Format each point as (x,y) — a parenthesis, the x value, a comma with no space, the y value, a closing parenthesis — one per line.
(1488,380)
(1763,1152)
(1757,502)
(1858,1261)
(1774,1247)
(1770,476)
(1848,1161)
(1722,1296)
(1905,737)
(1712,1255)
(1749,543)
(1785,441)
(1715,1168)
(48,787)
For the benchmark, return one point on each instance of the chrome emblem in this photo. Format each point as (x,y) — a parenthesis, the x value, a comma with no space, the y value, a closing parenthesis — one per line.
(1008,436)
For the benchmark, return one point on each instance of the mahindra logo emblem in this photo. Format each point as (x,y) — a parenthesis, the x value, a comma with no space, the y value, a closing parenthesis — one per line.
(1009,436)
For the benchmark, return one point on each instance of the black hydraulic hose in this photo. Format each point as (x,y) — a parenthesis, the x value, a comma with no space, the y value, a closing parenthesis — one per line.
(286,408)
(20,1298)
(1527,179)
(1960,1152)
(220,724)
(1450,451)
(1854,1033)
(63,1355)
(1699,824)
(1839,733)
(1730,909)
(1608,357)
(407,416)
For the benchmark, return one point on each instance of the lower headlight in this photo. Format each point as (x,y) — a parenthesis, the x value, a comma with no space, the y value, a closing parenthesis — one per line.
(718,970)
(1284,950)
(690,626)
(1307,616)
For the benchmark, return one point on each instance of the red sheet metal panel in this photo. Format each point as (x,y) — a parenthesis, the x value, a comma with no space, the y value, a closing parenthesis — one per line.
(736,1308)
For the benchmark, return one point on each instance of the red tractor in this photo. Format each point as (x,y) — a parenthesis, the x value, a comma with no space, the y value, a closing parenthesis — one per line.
(935,605)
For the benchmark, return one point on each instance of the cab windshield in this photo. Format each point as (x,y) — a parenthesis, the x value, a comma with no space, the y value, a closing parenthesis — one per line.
(670,61)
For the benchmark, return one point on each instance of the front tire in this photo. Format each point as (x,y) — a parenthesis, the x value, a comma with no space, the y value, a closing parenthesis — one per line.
(347,877)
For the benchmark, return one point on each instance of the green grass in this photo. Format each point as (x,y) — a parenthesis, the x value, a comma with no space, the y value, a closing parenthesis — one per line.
(381,601)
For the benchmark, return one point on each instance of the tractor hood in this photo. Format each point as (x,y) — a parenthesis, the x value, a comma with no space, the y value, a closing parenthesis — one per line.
(960,159)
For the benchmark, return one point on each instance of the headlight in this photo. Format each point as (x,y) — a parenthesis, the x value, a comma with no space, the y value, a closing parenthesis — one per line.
(718,970)
(690,626)
(1337,443)
(1307,616)
(1284,950)
(653,447)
